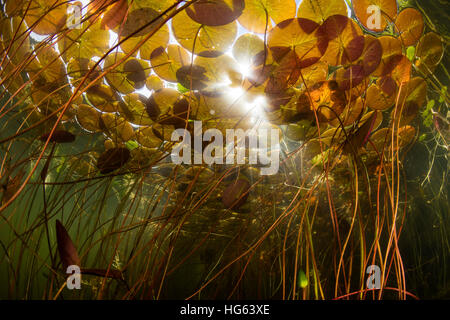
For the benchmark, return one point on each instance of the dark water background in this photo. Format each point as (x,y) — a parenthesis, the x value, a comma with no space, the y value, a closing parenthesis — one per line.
(425,242)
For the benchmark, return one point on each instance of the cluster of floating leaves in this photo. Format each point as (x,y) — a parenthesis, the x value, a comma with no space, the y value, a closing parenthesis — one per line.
(317,75)
(315,66)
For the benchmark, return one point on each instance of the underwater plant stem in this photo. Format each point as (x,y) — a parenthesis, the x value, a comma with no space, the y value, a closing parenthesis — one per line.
(43,177)
(341,258)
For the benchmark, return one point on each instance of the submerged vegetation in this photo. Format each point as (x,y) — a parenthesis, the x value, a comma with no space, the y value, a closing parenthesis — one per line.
(91,91)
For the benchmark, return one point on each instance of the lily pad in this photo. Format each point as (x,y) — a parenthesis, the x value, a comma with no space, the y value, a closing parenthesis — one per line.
(88,118)
(215,12)
(113,159)
(59,136)
(429,52)
(167,62)
(375,15)
(235,194)
(258,14)
(203,40)
(409,24)
(301,36)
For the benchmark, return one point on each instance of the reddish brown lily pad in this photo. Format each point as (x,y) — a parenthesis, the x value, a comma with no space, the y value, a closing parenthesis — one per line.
(236,194)
(59,136)
(113,159)
(215,12)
